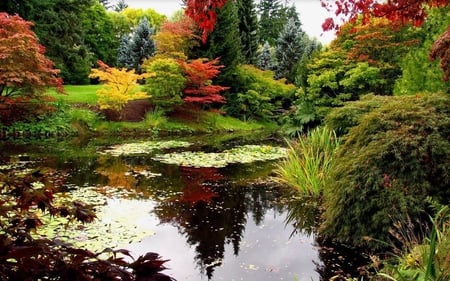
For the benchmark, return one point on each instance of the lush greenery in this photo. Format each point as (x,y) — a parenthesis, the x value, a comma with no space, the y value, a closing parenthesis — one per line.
(309,161)
(398,154)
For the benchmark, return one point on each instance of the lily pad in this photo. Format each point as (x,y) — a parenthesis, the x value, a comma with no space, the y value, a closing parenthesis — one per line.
(107,231)
(241,154)
(143,147)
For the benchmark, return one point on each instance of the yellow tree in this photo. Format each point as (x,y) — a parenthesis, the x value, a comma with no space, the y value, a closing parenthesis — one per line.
(119,86)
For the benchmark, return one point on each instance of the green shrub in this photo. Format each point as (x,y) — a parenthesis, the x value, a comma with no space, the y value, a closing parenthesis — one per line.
(308,161)
(341,119)
(397,156)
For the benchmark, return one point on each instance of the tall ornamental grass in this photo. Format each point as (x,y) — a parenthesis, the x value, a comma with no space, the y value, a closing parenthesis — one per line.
(308,161)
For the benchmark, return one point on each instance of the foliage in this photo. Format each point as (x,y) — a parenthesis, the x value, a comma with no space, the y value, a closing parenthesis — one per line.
(26,72)
(309,161)
(141,45)
(144,147)
(99,34)
(25,258)
(59,27)
(199,88)
(223,43)
(427,259)
(419,74)
(166,84)
(273,16)
(265,60)
(248,30)
(398,12)
(176,38)
(342,119)
(289,49)
(440,50)
(396,157)
(137,15)
(242,154)
(257,94)
(203,12)
(25,69)
(119,86)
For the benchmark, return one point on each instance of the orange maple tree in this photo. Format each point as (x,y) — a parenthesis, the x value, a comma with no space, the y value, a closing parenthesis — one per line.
(199,88)
(25,71)
(203,12)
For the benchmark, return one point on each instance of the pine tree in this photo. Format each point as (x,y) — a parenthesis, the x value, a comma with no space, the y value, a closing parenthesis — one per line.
(289,49)
(271,21)
(248,28)
(265,57)
(120,6)
(141,45)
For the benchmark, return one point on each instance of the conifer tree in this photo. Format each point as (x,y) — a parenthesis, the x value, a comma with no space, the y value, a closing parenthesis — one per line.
(124,54)
(248,28)
(265,57)
(141,45)
(289,49)
(271,21)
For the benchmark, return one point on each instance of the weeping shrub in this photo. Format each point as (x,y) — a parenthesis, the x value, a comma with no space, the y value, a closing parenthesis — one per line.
(308,161)
(397,156)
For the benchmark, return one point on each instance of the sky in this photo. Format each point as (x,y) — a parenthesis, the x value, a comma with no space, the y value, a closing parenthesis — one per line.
(311,14)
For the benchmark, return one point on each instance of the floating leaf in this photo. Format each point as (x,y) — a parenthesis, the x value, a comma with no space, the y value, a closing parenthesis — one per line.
(143,147)
(241,154)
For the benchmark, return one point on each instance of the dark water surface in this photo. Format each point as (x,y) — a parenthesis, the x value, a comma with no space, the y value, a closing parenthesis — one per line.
(224,223)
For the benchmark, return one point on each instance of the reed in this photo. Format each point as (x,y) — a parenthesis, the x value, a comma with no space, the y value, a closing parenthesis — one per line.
(309,161)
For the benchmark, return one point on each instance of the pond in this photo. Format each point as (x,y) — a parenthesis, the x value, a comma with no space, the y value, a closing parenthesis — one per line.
(208,204)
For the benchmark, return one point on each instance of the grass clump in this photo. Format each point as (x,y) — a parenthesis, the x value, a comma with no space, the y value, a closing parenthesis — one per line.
(308,161)
(427,259)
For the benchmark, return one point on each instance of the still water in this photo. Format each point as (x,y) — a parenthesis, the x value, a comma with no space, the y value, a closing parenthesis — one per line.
(211,223)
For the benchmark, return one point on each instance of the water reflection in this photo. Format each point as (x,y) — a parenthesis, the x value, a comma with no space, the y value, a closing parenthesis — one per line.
(215,224)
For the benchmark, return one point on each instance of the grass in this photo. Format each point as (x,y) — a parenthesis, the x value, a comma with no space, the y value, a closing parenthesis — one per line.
(309,161)
(427,260)
(78,94)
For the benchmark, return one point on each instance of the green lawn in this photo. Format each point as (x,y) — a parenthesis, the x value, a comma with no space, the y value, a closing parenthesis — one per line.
(78,94)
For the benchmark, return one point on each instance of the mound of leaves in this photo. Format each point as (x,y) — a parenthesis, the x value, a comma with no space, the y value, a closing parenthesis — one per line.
(23,257)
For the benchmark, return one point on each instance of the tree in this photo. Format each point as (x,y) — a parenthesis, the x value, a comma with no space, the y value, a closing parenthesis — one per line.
(199,88)
(223,43)
(290,47)
(176,38)
(25,71)
(265,61)
(141,45)
(99,34)
(124,58)
(167,84)
(120,6)
(203,12)
(398,12)
(270,22)
(59,27)
(419,74)
(248,30)
(119,86)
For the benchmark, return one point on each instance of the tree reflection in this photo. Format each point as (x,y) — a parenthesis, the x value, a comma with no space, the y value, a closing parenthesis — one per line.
(211,213)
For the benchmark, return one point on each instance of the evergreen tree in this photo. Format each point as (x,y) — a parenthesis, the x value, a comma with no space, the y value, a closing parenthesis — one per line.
(265,57)
(271,20)
(124,54)
(223,43)
(141,45)
(105,3)
(301,68)
(248,28)
(290,47)
(120,6)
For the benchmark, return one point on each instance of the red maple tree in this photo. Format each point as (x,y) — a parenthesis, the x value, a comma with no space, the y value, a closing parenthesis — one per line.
(203,12)
(25,71)
(199,88)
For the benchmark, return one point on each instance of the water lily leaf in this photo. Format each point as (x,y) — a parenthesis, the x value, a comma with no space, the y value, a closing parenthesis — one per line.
(143,147)
(241,154)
